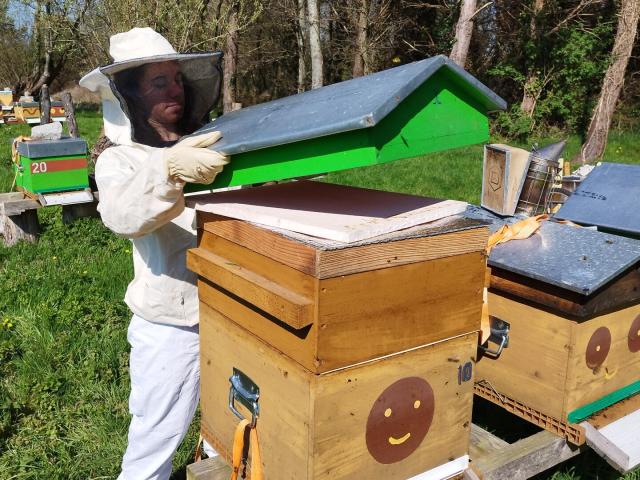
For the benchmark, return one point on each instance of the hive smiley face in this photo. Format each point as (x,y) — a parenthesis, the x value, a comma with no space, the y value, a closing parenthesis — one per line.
(600,345)
(400,419)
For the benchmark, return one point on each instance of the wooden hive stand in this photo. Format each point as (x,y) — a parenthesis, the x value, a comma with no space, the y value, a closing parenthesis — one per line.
(612,434)
(18,218)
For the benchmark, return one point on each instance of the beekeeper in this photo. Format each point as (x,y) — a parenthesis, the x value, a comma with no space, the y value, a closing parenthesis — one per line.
(151,97)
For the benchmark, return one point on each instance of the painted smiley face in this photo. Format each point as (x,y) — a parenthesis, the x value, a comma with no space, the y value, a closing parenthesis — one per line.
(400,419)
(598,347)
(633,340)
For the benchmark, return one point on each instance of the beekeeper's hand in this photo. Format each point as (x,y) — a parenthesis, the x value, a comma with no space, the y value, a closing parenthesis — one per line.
(190,161)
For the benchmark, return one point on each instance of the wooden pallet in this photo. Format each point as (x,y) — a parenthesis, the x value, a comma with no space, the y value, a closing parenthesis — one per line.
(209,469)
(492,458)
(573,433)
(613,433)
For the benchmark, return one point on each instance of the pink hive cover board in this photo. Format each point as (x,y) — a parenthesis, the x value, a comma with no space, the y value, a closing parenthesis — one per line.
(334,212)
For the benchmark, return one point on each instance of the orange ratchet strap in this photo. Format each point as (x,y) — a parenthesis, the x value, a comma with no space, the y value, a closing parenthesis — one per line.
(246,436)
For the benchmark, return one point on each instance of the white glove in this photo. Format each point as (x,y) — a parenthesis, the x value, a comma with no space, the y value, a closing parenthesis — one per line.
(190,161)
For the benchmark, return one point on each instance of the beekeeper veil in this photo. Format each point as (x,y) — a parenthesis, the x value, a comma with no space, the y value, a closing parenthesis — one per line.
(125,120)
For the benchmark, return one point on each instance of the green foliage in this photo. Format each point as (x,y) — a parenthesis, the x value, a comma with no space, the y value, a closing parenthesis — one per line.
(559,65)
(577,68)
(63,351)
(513,124)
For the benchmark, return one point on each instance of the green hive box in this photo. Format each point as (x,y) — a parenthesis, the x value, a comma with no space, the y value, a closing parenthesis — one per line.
(47,166)
(403,112)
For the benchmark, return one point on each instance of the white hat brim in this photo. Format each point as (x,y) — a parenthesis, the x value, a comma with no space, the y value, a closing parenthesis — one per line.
(179,57)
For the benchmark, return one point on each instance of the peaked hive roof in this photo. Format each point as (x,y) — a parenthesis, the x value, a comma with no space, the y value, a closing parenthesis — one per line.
(350,105)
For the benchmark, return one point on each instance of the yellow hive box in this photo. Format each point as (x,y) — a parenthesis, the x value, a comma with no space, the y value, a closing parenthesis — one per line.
(6,98)
(390,418)
(327,308)
(557,363)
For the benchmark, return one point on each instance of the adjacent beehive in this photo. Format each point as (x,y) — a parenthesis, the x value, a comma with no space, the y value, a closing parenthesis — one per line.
(27,112)
(52,165)
(363,353)
(571,297)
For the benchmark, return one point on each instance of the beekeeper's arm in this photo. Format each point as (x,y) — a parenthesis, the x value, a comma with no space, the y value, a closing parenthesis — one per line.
(138,197)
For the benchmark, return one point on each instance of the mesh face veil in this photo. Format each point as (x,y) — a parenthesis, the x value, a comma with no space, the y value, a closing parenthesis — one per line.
(199,78)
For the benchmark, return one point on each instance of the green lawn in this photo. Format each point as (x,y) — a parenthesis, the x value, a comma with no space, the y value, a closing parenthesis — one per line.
(63,351)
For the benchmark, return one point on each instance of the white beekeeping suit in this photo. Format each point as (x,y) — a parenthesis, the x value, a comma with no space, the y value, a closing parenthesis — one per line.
(140,182)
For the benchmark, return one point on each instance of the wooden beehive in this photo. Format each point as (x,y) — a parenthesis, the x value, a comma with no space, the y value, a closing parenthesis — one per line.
(330,308)
(392,418)
(570,354)
(333,332)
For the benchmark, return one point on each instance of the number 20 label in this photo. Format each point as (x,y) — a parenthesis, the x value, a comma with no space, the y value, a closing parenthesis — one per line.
(38,167)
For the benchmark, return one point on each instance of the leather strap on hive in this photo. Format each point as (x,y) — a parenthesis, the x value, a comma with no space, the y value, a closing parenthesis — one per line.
(518,231)
(239,447)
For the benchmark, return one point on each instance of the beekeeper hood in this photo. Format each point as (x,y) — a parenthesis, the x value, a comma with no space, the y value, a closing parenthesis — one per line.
(131,51)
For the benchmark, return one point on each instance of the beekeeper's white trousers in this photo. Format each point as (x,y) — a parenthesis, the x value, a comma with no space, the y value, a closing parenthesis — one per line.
(165,379)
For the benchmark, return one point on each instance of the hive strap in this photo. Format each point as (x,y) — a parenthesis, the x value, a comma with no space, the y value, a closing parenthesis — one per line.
(198,455)
(15,156)
(521,230)
(518,231)
(246,437)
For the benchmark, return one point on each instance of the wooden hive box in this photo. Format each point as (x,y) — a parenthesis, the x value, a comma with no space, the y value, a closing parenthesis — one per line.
(311,298)
(6,99)
(28,112)
(363,352)
(391,418)
(47,166)
(573,306)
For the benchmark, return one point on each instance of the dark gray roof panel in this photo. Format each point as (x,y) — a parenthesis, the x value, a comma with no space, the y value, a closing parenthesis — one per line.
(578,259)
(52,148)
(350,105)
(607,198)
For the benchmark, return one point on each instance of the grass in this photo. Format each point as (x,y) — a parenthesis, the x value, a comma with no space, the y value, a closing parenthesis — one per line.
(63,351)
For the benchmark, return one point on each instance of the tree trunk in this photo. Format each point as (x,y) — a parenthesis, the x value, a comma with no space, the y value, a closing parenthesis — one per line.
(44,30)
(598,133)
(531,85)
(230,61)
(361,40)
(70,114)
(302,29)
(464,30)
(45,105)
(314,45)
